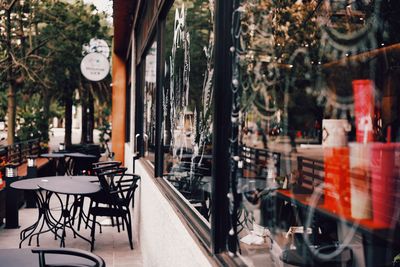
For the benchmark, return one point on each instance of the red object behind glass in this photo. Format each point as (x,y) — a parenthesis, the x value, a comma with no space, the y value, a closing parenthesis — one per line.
(363,109)
(337,180)
(383,177)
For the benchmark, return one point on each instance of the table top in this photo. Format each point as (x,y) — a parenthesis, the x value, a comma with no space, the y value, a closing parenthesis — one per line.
(25,258)
(244,184)
(79,155)
(70,187)
(84,178)
(367,225)
(32,184)
(53,155)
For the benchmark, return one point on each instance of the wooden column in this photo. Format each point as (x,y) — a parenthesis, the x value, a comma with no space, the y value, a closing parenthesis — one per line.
(118,106)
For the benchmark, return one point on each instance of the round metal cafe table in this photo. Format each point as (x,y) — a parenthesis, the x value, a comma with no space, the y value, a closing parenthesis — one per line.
(59,159)
(69,187)
(45,218)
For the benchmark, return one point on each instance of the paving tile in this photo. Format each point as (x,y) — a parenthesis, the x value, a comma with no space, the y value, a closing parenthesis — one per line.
(112,246)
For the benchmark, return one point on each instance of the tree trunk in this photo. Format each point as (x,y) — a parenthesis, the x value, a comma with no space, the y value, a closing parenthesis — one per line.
(90,115)
(11,113)
(46,113)
(11,107)
(68,118)
(84,97)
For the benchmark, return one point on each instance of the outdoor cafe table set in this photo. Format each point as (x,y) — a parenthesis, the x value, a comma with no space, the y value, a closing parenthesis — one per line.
(75,187)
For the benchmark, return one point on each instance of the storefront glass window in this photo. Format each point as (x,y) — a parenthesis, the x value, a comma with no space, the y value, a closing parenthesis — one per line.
(317,83)
(187,106)
(149,103)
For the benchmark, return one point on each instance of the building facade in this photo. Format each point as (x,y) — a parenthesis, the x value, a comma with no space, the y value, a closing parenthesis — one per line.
(266,132)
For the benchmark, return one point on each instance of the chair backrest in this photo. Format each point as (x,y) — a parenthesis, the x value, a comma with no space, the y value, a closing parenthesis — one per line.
(83,166)
(60,253)
(127,187)
(311,172)
(109,162)
(106,178)
(103,167)
(255,161)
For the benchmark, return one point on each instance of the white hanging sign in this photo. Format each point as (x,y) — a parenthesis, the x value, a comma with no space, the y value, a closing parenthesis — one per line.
(95,67)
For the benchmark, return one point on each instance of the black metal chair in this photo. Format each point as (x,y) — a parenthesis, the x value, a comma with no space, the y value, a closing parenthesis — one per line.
(84,256)
(101,166)
(46,257)
(81,165)
(96,167)
(114,199)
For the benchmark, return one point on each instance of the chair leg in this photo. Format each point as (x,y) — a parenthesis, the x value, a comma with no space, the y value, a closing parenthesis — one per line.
(112,218)
(75,209)
(129,230)
(90,206)
(80,215)
(129,227)
(117,220)
(92,234)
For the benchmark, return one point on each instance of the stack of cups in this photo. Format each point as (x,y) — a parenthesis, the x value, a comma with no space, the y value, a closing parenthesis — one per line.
(336,161)
(337,184)
(360,187)
(383,181)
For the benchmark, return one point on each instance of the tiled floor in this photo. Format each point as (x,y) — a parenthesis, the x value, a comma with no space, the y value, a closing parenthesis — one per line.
(112,246)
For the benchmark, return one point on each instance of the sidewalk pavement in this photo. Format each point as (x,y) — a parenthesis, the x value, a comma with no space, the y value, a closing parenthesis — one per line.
(56,136)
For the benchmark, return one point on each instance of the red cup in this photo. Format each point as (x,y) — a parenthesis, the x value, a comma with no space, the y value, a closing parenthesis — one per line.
(363,109)
(337,180)
(383,180)
(360,181)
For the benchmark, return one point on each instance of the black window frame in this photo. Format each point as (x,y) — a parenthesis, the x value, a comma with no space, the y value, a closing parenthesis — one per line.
(212,238)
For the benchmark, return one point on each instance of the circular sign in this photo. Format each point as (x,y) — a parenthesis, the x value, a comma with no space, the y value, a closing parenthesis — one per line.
(95,67)
(99,46)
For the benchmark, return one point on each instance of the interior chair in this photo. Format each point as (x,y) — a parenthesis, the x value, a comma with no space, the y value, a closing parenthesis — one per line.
(67,257)
(114,200)
(305,258)
(188,178)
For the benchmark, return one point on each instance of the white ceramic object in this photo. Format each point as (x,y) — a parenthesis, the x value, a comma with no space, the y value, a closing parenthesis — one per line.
(334,132)
(360,184)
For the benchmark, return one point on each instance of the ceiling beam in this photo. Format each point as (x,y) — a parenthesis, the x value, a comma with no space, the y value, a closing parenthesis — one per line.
(123,16)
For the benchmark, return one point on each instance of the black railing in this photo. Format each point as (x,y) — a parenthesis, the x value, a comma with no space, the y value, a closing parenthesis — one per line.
(255,161)
(18,152)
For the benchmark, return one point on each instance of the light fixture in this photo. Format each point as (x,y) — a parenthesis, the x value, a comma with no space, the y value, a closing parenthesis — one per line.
(32,161)
(11,170)
(61,147)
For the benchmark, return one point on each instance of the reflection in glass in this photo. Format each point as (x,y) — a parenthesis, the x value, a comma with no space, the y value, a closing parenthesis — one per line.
(319,119)
(187,101)
(149,103)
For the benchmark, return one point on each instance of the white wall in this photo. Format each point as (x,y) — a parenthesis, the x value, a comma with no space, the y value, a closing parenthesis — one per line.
(157,229)
(164,241)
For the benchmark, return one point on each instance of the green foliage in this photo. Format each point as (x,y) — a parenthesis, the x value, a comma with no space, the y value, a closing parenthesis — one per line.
(69,27)
(31,120)
(199,27)
(275,75)
(3,105)
(46,47)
